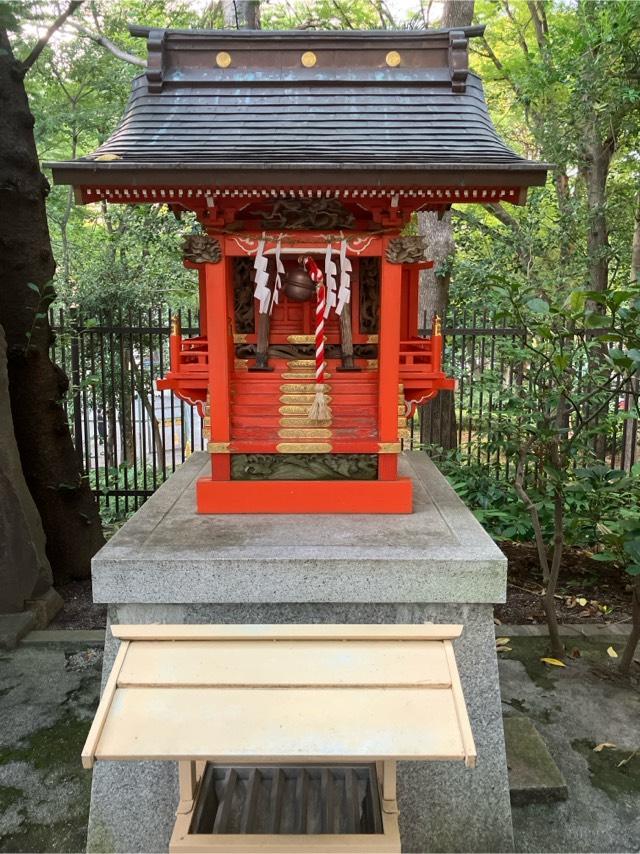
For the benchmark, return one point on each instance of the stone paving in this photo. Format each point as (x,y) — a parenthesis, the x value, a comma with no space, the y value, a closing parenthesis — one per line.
(48,692)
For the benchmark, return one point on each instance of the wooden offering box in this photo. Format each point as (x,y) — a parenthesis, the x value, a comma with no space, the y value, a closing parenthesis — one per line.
(286,737)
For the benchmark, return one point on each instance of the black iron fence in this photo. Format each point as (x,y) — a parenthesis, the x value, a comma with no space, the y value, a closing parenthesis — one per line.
(129,436)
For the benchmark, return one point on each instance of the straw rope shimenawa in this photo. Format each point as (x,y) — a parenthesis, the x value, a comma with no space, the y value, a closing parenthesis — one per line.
(319,410)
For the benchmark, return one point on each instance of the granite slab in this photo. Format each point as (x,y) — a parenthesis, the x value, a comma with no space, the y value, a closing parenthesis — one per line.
(167,552)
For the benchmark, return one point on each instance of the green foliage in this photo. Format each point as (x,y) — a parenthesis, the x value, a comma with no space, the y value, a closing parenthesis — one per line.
(600,505)
(114,511)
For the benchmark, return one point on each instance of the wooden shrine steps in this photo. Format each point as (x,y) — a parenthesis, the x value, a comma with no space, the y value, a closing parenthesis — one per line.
(270,410)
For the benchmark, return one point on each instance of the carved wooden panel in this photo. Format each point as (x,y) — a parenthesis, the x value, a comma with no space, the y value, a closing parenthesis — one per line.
(369,295)
(243,295)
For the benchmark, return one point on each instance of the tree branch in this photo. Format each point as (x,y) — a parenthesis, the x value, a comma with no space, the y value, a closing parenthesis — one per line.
(519,34)
(538,24)
(505,218)
(103,41)
(44,40)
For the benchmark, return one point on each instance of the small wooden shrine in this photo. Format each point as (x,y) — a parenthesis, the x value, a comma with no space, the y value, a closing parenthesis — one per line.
(304,156)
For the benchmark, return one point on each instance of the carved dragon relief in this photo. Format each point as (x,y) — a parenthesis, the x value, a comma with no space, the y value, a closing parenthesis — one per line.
(243,303)
(307,213)
(369,295)
(407,250)
(304,467)
(200,249)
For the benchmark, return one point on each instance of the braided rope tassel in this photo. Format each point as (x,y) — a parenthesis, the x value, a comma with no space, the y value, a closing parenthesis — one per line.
(320,407)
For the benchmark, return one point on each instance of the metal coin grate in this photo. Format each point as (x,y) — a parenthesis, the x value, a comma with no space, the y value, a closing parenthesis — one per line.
(287,799)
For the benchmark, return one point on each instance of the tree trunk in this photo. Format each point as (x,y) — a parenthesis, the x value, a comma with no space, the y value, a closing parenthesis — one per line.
(595,173)
(634,637)
(438,423)
(241,14)
(65,503)
(457,13)
(631,427)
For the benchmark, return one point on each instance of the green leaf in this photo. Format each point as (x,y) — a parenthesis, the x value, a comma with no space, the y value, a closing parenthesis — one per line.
(634,569)
(538,306)
(33,287)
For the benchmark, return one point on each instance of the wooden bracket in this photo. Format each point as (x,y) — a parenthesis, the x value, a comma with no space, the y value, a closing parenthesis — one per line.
(458,60)
(155,59)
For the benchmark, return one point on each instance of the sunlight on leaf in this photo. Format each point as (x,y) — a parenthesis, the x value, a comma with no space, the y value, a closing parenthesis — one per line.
(611,652)
(554,661)
(600,747)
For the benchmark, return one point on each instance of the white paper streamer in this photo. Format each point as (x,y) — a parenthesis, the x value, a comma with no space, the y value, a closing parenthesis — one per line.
(344,294)
(262,292)
(277,286)
(330,272)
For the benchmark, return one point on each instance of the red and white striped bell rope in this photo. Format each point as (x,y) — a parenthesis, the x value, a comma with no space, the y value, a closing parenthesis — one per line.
(320,407)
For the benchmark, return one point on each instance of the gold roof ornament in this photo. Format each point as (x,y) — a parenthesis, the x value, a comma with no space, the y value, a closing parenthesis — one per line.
(308,59)
(223,59)
(393,58)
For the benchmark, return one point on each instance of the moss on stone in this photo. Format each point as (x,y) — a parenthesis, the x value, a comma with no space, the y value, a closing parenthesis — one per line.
(64,835)
(529,651)
(606,771)
(51,747)
(9,795)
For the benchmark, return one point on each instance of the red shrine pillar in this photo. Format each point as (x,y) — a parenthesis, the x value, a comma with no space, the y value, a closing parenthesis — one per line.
(220,345)
(202,295)
(389,363)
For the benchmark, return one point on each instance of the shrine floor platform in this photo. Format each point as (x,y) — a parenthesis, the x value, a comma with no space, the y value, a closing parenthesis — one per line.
(170,565)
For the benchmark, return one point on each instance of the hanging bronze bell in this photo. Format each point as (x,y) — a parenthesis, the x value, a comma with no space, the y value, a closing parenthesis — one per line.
(298,285)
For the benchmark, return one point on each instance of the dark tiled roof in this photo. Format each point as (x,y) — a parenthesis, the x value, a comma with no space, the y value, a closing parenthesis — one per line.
(350,113)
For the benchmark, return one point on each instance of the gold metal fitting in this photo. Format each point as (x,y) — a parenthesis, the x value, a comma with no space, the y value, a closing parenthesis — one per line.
(303,448)
(219,447)
(176,329)
(393,58)
(308,59)
(223,59)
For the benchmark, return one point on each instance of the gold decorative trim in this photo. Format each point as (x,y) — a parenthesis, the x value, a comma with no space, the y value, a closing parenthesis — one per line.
(301,363)
(294,410)
(175,325)
(301,375)
(373,339)
(372,364)
(402,410)
(301,398)
(389,447)
(239,338)
(241,364)
(308,59)
(219,447)
(301,388)
(303,448)
(393,59)
(404,433)
(301,421)
(437,325)
(301,339)
(304,433)
(223,59)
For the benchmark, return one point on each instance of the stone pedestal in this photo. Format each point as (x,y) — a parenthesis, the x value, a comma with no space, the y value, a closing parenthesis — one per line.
(169,565)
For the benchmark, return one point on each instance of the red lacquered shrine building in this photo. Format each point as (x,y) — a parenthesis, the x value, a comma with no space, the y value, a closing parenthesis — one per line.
(304,155)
